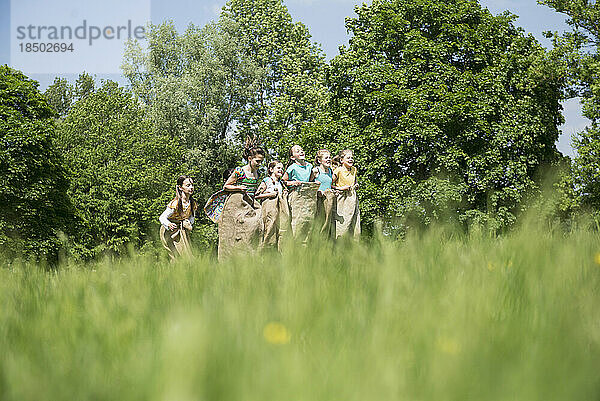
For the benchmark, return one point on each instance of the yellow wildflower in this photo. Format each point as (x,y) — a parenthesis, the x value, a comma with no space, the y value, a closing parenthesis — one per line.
(448,345)
(276,333)
(597,258)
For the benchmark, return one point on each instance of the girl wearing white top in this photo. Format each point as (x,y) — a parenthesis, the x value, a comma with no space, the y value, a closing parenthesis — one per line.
(178,218)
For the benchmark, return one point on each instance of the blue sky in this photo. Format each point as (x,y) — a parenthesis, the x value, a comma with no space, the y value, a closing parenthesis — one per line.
(324,18)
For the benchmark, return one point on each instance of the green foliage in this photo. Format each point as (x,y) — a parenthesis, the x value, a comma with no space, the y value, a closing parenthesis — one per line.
(579,50)
(122,174)
(33,202)
(290,95)
(451,111)
(194,85)
(61,95)
(437,317)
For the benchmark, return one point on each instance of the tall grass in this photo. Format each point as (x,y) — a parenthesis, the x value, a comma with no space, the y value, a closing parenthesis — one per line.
(439,316)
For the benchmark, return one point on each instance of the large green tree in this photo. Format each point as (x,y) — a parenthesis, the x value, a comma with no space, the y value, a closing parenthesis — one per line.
(578,50)
(194,86)
(34,206)
(122,173)
(288,104)
(451,111)
(61,95)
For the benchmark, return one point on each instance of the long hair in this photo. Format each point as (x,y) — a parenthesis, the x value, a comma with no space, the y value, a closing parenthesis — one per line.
(227,173)
(178,196)
(337,160)
(252,148)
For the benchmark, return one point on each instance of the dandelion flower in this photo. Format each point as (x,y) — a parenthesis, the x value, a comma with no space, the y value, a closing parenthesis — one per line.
(276,333)
(597,258)
(448,345)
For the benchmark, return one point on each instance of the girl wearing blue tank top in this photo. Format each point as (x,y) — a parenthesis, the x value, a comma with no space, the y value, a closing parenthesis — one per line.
(300,170)
(325,195)
(323,172)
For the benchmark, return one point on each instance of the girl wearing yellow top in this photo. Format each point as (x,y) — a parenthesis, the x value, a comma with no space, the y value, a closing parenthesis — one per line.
(177,219)
(347,220)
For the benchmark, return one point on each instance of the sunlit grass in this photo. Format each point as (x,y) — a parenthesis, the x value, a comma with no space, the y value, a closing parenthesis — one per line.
(438,316)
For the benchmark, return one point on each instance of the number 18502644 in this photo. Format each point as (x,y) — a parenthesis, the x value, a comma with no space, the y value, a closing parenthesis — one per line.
(46,47)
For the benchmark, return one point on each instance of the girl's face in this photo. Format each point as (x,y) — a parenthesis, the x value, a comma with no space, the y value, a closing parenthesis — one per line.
(348,160)
(326,159)
(298,153)
(188,186)
(256,161)
(278,170)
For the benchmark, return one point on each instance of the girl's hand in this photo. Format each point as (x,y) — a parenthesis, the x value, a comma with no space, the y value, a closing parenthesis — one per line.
(315,171)
(242,188)
(273,195)
(294,183)
(172,226)
(187,225)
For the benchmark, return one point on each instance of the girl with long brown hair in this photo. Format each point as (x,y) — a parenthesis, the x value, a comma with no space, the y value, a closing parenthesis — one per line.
(178,218)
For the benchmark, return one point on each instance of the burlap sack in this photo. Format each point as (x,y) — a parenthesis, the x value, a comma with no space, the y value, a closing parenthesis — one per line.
(326,213)
(347,216)
(285,219)
(270,215)
(177,243)
(240,226)
(302,202)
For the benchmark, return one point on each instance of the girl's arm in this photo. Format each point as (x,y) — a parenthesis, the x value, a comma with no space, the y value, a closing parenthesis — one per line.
(230,184)
(286,180)
(355,185)
(314,173)
(164,219)
(260,192)
(334,179)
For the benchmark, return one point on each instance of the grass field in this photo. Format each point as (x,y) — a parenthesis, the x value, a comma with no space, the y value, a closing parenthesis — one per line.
(435,317)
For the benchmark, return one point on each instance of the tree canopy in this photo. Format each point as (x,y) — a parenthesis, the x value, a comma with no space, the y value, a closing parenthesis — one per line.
(34,206)
(578,52)
(451,110)
(122,173)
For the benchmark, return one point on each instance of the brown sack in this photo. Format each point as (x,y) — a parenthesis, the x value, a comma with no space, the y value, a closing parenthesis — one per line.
(302,201)
(347,216)
(285,219)
(177,243)
(240,226)
(326,213)
(270,215)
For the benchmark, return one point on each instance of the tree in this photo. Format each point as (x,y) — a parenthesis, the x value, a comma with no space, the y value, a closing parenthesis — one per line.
(451,111)
(194,87)
(289,101)
(34,206)
(122,173)
(60,96)
(579,51)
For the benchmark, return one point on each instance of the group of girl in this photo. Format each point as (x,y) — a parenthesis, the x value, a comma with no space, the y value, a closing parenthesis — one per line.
(263,209)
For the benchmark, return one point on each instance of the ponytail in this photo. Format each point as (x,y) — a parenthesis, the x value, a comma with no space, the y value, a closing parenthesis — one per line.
(178,197)
(252,148)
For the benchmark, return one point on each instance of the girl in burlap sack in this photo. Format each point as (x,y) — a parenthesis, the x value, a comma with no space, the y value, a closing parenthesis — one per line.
(178,218)
(302,196)
(270,194)
(326,197)
(235,210)
(347,217)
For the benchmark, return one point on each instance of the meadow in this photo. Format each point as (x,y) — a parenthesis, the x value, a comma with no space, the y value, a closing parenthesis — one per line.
(437,316)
